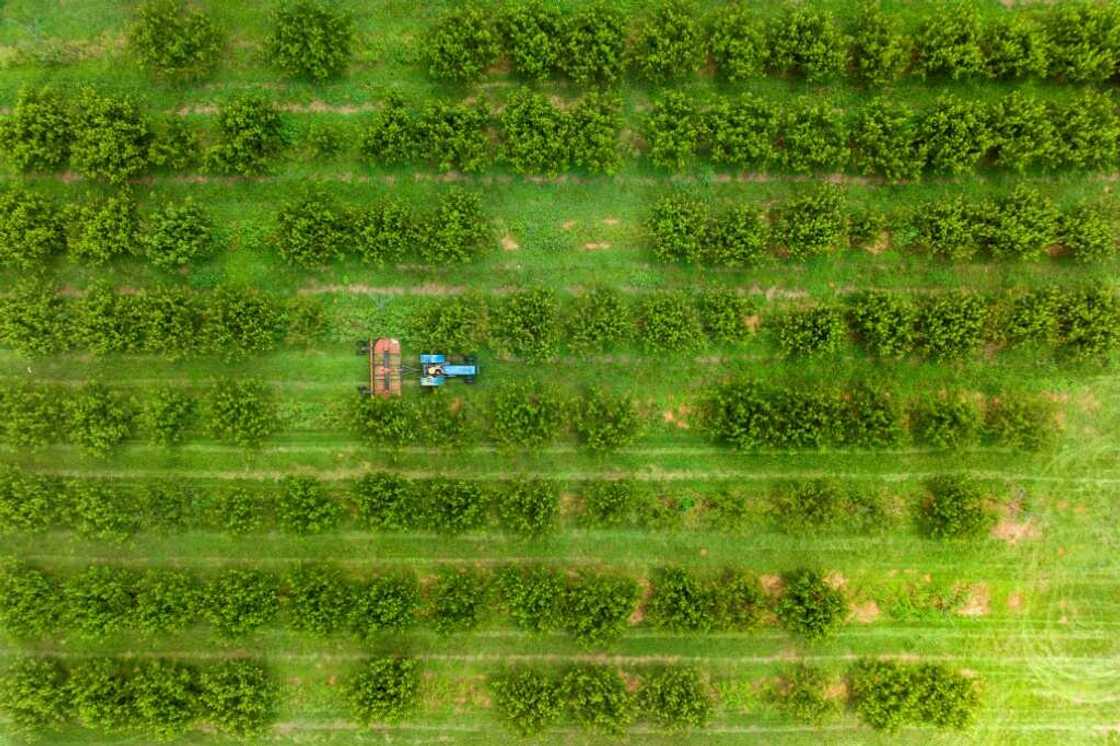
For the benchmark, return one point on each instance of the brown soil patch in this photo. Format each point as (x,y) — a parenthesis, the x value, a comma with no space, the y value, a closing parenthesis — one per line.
(752,322)
(678,416)
(455,405)
(865,613)
(610,221)
(978,602)
(567,225)
(631,681)
(771,584)
(640,610)
(508,244)
(1015,601)
(837,691)
(836,581)
(596,245)
(881,243)
(1014,532)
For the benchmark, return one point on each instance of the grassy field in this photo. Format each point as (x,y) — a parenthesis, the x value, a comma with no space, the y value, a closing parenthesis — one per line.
(1038,622)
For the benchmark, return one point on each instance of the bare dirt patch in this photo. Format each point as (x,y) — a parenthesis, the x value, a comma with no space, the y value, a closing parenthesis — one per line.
(978,602)
(752,322)
(1014,532)
(596,245)
(836,581)
(610,221)
(567,225)
(865,613)
(772,585)
(881,244)
(678,416)
(640,610)
(508,244)
(1015,601)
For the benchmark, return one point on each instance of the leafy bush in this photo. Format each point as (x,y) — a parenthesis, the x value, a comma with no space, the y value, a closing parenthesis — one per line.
(738,43)
(886,142)
(610,503)
(949,228)
(458,232)
(535,134)
(384,501)
(950,422)
(1089,322)
(1022,225)
(529,506)
(668,321)
(111,137)
(675,698)
(239,697)
(813,224)
(951,325)
(241,412)
(37,135)
(27,501)
(880,51)
(738,239)
(178,234)
(455,135)
(596,697)
(1087,234)
(528,321)
(310,39)
(388,603)
(955,135)
(595,123)
(321,600)
(528,700)
(809,607)
(744,132)
(385,233)
(737,601)
(166,601)
(458,598)
(531,595)
(811,331)
(1024,133)
(592,44)
(175,40)
(531,31)
(31,319)
(98,601)
(241,321)
(108,231)
(1084,42)
(674,128)
(463,44)
(31,230)
(597,319)
(889,694)
(35,696)
(29,604)
(453,506)
(107,322)
(814,139)
(525,415)
(807,42)
(312,231)
(802,694)
(167,414)
(680,225)
(250,132)
(304,508)
(883,322)
(670,43)
(97,420)
(1089,132)
(596,607)
(177,145)
(100,509)
(33,416)
(950,43)
(603,421)
(1015,47)
(680,602)
(392,135)
(953,508)
(165,696)
(383,689)
(239,602)
(810,505)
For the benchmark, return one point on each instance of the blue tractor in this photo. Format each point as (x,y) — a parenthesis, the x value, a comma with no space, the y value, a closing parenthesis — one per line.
(436,370)
(386,369)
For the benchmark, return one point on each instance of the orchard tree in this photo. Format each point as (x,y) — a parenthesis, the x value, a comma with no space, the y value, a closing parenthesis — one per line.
(310,39)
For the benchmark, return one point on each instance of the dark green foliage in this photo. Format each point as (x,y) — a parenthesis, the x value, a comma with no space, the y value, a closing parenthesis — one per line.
(955,135)
(743,132)
(37,135)
(383,689)
(1024,133)
(604,421)
(949,422)
(250,132)
(723,314)
(1015,47)
(880,51)
(674,128)
(102,509)
(463,44)
(165,697)
(386,233)
(320,599)
(458,232)
(28,502)
(1089,322)
(595,124)
(596,607)
(525,415)
(178,234)
(670,43)
(170,321)
(29,604)
(738,43)
(388,603)
(888,694)
(454,136)
(597,319)
(804,507)
(675,698)
(811,331)
(312,231)
(813,224)
(802,694)
(679,226)
(949,229)
(746,415)
(886,142)
(815,139)
(431,421)
(535,134)
(954,508)
(241,412)
(106,322)
(241,321)
(239,697)
(668,321)
(101,694)
(166,601)
(873,418)
(807,42)
(177,145)
(529,507)
(680,602)
(951,325)
(610,503)
(112,136)
(239,511)
(950,43)
(883,322)
(528,700)
(456,323)
(31,317)
(737,601)
(175,40)
(1087,234)
(452,505)
(310,39)
(1022,225)
(1089,132)
(1084,42)
(31,229)
(98,601)
(392,135)
(35,696)
(531,30)
(809,607)
(738,239)
(384,501)
(459,599)
(167,413)
(97,420)
(239,602)
(529,321)
(304,507)
(592,44)
(596,697)
(531,595)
